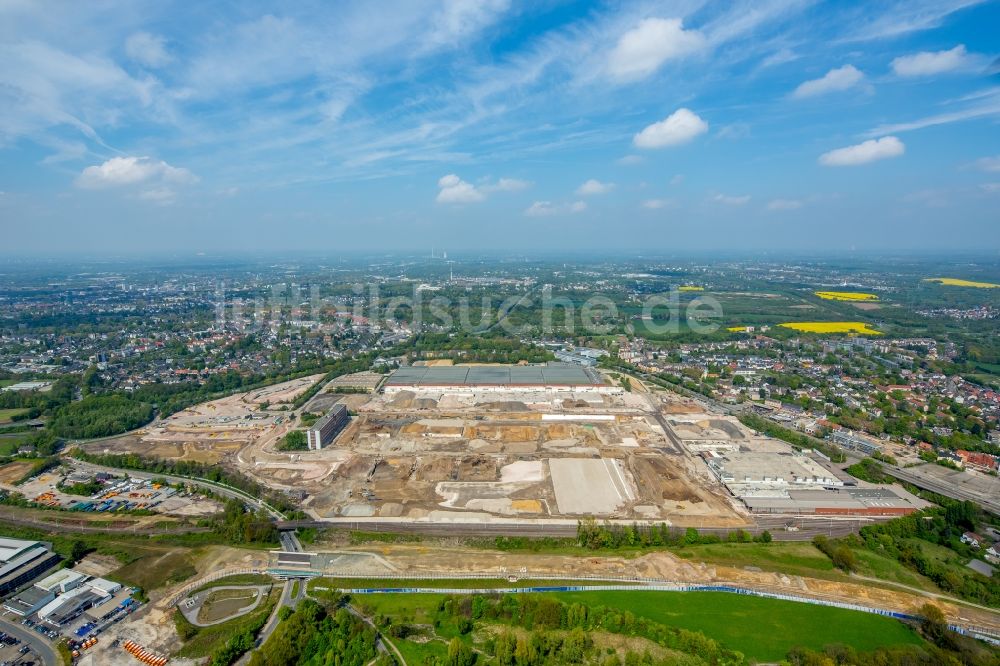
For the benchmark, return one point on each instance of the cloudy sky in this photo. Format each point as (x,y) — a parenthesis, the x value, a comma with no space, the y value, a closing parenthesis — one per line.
(489,124)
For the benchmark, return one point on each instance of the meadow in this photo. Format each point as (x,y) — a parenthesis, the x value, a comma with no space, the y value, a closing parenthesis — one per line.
(8,415)
(762,629)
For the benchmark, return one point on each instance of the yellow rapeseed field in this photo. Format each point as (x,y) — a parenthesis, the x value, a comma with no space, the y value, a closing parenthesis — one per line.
(956,282)
(737,329)
(690,287)
(831,327)
(846,296)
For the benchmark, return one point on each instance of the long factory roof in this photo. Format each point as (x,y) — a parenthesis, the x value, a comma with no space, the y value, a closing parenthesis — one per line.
(550,374)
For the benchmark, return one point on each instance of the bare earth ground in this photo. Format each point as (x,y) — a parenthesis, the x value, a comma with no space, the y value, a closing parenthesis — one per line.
(419,454)
(12,472)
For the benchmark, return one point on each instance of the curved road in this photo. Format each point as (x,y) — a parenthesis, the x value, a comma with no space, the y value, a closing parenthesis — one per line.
(219,489)
(40,646)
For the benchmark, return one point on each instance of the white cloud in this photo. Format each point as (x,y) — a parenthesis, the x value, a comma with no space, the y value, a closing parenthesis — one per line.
(903,17)
(630,160)
(510,185)
(457,20)
(784,204)
(642,50)
(593,186)
(160,195)
(991,188)
(147,49)
(836,80)
(732,200)
(119,171)
(988,163)
(862,153)
(928,63)
(781,57)
(677,179)
(990,106)
(547,208)
(681,126)
(456,190)
(734,131)
(656,204)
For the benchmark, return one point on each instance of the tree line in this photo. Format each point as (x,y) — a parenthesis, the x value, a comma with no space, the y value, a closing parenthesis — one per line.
(594,536)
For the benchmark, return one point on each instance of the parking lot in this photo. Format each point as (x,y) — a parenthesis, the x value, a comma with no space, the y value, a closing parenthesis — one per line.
(20,646)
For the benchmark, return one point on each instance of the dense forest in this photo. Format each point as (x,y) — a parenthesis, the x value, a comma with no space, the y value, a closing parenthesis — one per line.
(467,347)
(100,416)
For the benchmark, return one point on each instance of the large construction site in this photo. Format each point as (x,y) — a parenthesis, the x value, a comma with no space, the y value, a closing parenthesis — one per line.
(469,444)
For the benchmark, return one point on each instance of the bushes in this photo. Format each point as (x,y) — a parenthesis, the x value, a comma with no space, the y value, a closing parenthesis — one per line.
(839,553)
(294,441)
(40,466)
(869,470)
(900,539)
(612,536)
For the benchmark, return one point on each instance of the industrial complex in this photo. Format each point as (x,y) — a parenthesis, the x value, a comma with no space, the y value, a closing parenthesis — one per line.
(59,603)
(558,377)
(538,443)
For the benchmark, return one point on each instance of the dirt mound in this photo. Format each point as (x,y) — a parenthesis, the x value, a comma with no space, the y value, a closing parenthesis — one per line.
(575,404)
(503,406)
(424,403)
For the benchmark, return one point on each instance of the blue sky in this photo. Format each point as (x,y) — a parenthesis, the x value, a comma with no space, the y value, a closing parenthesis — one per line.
(489,124)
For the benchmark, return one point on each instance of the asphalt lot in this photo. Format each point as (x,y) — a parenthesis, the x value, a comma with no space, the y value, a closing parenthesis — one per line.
(41,649)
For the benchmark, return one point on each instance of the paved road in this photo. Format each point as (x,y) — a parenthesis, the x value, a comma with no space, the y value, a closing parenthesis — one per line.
(991,504)
(40,646)
(216,488)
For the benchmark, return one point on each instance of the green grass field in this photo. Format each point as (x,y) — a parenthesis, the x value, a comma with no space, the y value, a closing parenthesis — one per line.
(788,556)
(7,415)
(237,579)
(763,629)
(416,652)
(156,570)
(9,444)
(875,565)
